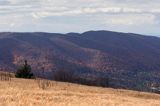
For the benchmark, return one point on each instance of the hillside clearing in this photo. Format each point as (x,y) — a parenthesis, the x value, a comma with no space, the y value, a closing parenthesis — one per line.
(21,92)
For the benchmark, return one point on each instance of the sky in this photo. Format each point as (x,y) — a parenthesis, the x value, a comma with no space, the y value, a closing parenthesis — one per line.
(63,16)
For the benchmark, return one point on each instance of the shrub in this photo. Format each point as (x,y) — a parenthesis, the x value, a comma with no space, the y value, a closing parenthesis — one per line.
(43,83)
(68,76)
(24,71)
(65,76)
(102,81)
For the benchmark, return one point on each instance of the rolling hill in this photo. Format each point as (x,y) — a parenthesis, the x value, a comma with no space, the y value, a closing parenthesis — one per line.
(129,61)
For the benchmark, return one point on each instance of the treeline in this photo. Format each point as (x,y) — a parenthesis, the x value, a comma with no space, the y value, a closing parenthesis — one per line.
(91,80)
(25,71)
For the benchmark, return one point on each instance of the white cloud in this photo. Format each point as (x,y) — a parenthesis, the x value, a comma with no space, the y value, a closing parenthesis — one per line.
(132,20)
(16,13)
(70,7)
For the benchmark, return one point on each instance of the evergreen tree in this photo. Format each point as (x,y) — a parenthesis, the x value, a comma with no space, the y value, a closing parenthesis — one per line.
(24,71)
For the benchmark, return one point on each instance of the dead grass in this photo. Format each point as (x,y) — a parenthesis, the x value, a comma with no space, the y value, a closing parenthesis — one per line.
(21,92)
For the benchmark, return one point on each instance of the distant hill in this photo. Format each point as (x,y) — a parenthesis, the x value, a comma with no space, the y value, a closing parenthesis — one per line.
(130,61)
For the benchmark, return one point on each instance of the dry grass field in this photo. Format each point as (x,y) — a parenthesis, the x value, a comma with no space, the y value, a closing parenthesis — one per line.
(21,92)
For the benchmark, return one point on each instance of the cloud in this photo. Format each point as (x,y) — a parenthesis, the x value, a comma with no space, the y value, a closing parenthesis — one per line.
(132,20)
(38,13)
(4,2)
(93,11)
(70,7)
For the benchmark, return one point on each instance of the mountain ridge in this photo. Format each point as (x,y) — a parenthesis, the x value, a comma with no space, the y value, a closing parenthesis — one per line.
(123,57)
